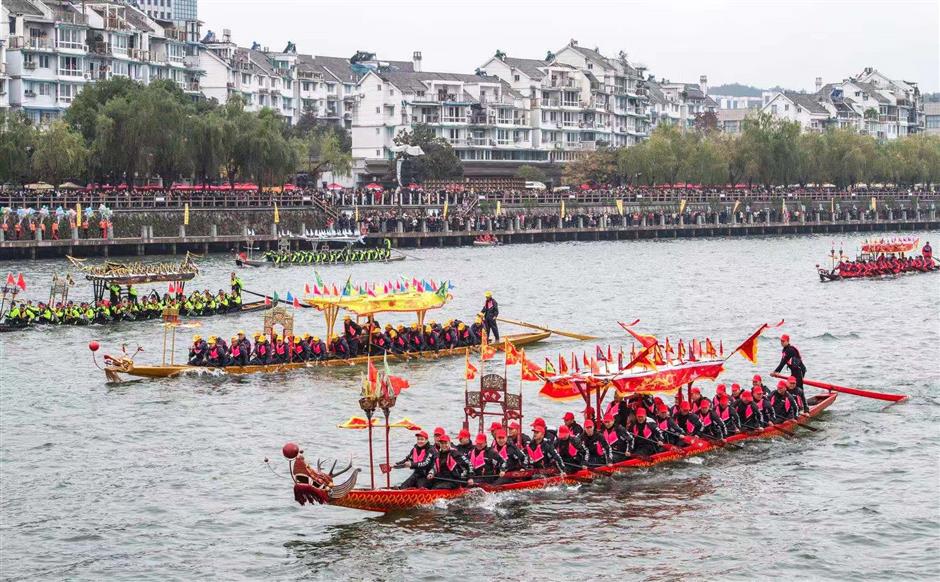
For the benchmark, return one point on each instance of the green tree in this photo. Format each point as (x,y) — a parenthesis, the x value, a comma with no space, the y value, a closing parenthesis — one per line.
(60,154)
(17,141)
(439,161)
(322,151)
(531,173)
(82,114)
(205,134)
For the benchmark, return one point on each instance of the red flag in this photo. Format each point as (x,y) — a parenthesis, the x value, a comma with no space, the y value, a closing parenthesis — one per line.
(574,363)
(643,358)
(562,365)
(470,371)
(307,288)
(668,349)
(681,351)
(530,370)
(549,369)
(512,354)
(10,280)
(296,303)
(658,356)
(373,373)
(267,300)
(486,350)
(645,340)
(21,283)
(710,349)
(610,354)
(584,360)
(721,348)
(600,355)
(397,383)
(335,290)
(171,289)
(595,369)
(748,347)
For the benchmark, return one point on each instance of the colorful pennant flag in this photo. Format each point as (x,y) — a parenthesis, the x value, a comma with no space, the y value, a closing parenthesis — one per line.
(512,354)
(645,340)
(21,282)
(470,371)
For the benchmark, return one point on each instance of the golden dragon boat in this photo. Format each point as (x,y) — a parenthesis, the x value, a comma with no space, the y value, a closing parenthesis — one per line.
(365,302)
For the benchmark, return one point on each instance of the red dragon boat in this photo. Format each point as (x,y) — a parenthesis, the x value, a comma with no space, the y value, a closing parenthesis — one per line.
(384,500)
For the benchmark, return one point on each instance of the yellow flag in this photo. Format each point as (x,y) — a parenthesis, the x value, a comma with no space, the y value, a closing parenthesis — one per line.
(874,204)
(682,206)
(356,211)
(277,216)
(499,207)
(445,207)
(620,207)
(78,214)
(562,208)
(736,204)
(186,214)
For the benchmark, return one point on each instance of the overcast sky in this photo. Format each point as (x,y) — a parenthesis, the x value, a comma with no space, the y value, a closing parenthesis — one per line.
(761,43)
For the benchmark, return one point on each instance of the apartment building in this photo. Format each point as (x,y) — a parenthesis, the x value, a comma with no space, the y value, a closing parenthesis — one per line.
(679,104)
(4,79)
(870,103)
(56,47)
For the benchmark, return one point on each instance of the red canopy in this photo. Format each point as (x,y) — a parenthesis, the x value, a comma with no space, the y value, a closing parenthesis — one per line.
(334,186)
(290,187)
(245,186)
(374,186)
(585,186)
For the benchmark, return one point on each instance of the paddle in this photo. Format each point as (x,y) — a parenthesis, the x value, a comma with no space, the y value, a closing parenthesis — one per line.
(719,442)
(852,391)
(579,336)
(808,427)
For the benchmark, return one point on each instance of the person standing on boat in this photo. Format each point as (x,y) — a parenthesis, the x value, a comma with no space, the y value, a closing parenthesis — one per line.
(618,439)
(450,468)
(490,312)
(792,360)
(237,284)
(353,333)
(421,460)
(598,451)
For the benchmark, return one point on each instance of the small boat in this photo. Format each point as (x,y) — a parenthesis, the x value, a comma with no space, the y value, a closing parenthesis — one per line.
(486,240)
(384,500)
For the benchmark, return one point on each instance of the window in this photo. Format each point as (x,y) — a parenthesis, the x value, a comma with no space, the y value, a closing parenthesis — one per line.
(43,61)
(590,66)
(786,107)
(378,87)
(246,79)
(773,109)
(391,91)
(378,131)
(43,88)
(515,78)
(378,110)
(377,153)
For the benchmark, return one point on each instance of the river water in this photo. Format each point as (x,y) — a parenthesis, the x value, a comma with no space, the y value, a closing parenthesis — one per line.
(165,479)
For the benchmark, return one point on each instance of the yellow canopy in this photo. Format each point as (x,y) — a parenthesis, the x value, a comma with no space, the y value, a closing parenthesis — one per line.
(370,304)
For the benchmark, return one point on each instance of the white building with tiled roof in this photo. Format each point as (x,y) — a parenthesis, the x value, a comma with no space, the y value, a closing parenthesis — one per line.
(55,47)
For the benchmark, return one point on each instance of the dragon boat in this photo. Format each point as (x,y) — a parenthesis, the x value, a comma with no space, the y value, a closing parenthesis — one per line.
(284,256)
(385,500)
(889,258)
(364,302)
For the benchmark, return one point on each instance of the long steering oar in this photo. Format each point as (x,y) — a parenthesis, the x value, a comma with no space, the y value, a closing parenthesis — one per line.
(852,391)
(571,334)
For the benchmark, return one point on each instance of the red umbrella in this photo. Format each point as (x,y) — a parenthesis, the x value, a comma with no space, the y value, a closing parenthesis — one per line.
(374,186)
(334,186)
(290,187)
(585,186)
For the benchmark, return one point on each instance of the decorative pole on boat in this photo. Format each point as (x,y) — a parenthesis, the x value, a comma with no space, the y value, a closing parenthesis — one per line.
(368,402)
(386,403)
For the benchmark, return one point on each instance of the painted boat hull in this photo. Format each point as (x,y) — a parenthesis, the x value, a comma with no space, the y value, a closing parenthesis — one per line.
(390,500)
(521,339)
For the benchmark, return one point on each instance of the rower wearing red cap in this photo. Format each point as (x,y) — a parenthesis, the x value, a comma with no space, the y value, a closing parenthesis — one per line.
(438,432)
(485,464)
(450,467)
(421,459)
(735,393)
(541,453)
(463,445)
(791,359)
(687,420)
(712,427)
(762,402)
(598,451)
(727,413)
(618,439)
(757,381)
(748,413)
(516,435)
(782,403)
(571,450)
(493,428)
(695,400)
(797,393)
(646,436)
(513,457)
(572,424)
(619,409)
(672,432)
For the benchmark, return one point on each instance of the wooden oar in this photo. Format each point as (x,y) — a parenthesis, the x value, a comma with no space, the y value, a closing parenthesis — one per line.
(571,334)
(852,391)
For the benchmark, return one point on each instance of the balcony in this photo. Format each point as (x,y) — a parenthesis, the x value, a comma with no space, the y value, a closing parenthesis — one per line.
(35,43)
(29,65)
(575,104)
(175,34)
(138,54)
(116,23)
(458,119)
(100,48)
(29,93)
(68,17)
(426,119)
(71,46)
(477,141)
(71,73)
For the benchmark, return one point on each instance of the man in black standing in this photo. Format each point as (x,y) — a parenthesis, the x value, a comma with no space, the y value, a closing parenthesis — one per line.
(490,312)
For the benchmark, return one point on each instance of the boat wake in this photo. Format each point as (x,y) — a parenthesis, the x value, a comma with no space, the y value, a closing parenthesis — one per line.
(829,336)
(214,372)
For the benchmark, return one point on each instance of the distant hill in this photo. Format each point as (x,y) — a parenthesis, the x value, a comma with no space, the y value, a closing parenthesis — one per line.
(735,90)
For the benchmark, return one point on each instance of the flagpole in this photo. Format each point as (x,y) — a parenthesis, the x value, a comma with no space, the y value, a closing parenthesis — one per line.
(466,389)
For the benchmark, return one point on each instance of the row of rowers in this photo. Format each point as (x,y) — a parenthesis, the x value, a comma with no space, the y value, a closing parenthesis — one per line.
(356,340)
(626,431)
